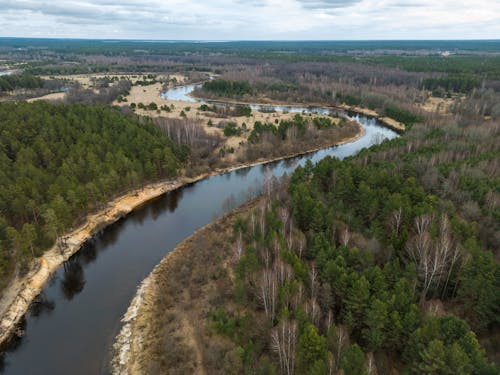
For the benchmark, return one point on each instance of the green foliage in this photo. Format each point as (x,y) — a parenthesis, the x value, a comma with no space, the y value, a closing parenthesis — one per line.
(353,362)
(242,110)
(457,83)
(20,81)
(227,324)
(258,129)
(445,346)
(152,106)
(348,99)
(402,115)
(232,130)
(146,80)
(311,350)
(58,162)
(373,289)
(298,123)
(225,88)
(478,294)
(323,122)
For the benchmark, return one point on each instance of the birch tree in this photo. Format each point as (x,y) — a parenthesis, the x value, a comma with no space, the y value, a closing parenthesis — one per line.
(283,343)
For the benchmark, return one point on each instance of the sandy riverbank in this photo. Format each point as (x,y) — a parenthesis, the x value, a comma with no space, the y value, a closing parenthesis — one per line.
(18,295)
(129,354)
(387,121)
(181,109)
(129,340)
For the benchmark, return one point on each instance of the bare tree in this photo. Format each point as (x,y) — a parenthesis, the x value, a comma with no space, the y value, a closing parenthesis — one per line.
(313,276)
(268,291)
(341,342)
(283,214)
(238,248)
(371,368)
(283,342)
(434,259)
(396,219)
(313,310)
(346,236)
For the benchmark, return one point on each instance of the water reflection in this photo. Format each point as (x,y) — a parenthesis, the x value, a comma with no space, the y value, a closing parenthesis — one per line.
(88,252)
(74,278)
(42,305)
(172,200)
(79,312)
(242,172)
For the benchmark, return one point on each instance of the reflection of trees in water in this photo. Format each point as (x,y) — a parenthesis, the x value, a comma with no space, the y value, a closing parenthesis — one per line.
(242,172)
(13,344)
(169,201)
(87,254)
(73,281)
(41,305)
(377,138)
(110,235)
(291,163)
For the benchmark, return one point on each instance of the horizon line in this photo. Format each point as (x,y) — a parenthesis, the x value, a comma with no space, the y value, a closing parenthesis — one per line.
(246,40)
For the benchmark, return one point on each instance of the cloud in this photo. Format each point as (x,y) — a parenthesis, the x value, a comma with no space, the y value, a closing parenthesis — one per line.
(328,4)
(252,19)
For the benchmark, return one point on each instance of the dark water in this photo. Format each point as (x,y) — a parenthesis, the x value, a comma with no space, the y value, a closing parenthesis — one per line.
(71,328)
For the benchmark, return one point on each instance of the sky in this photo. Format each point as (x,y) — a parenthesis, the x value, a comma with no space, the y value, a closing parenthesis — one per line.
(251,19)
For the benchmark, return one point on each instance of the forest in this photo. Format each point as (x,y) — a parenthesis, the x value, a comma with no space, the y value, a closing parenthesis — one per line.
(19,81)
(385,262)
(224,88)
(60,162)
(352,266)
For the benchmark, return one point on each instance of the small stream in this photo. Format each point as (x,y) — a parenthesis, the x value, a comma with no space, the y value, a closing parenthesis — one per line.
(71,327)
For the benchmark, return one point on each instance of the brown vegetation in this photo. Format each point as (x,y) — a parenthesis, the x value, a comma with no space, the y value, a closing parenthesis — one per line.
(171,332)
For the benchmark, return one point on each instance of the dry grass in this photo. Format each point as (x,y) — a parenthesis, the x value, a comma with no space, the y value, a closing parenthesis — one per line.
(151,94)
(55,96)
(172,334)
(438,105)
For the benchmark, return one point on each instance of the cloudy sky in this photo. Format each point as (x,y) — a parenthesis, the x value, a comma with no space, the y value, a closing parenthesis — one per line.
(252,19)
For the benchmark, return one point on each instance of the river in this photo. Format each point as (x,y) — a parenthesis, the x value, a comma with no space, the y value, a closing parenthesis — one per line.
(71,327)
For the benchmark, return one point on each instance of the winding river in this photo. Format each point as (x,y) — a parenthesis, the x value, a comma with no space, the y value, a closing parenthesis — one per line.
(71,327)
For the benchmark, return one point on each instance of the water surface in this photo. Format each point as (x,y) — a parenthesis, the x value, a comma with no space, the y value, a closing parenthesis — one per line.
(71,327)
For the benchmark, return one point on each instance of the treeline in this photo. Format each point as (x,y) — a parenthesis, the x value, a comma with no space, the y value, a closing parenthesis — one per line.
(480,66)
(105,94)
(452,83)
(196,147)
(227,111)
(20,81)
(298,134)
(59,162)
(374,88)
(379,263)
(227,89)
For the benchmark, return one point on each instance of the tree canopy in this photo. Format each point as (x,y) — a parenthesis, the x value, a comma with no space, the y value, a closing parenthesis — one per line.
(58,162)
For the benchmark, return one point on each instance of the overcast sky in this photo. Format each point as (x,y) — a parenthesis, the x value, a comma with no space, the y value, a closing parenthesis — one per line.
(252,19)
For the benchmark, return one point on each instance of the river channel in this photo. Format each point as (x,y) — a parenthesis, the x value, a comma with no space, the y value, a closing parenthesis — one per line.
(71,327)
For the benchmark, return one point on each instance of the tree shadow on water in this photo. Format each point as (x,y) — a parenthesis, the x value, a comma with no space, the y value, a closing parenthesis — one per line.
(73,280)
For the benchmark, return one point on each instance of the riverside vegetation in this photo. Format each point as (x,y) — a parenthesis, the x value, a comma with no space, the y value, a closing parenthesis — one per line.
(381,263)
(60,162)
(385,262)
